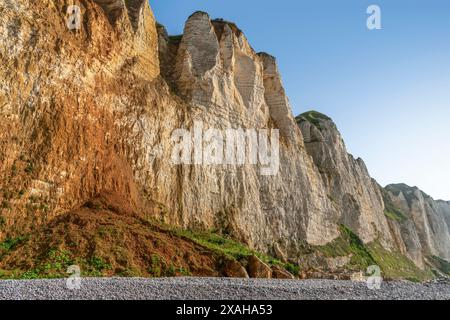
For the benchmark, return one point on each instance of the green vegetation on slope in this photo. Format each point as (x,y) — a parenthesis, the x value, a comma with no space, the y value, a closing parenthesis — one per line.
(54,263)
(10,244)
(313,117)
(110,243)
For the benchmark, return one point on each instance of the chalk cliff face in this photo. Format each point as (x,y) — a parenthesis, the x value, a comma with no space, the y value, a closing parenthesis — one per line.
(444,207)
(356,196)
(85,111)
(93,110)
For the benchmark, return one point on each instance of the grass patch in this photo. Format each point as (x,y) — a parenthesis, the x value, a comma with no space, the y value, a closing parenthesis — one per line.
(98,264)
(292,268)
(226,246)
(53,265)
(57,262)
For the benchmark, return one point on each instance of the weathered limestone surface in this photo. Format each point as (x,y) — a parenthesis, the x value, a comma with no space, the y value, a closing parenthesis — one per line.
(228,85)
(86,111)
(91,110)
(75,108)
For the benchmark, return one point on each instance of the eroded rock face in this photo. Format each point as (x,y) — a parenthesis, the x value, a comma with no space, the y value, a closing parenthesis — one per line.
(425,232)
(402,218)
(233,269)
(84,111)
(355,195)
(75,105)
(444,208)
(258,269)
(93,110)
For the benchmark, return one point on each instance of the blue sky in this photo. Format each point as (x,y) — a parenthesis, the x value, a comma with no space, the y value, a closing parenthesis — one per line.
(388,90)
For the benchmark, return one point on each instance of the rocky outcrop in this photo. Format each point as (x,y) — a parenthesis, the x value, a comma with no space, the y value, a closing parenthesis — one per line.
(84,111)
(355,195)
(405,219)
(74,108)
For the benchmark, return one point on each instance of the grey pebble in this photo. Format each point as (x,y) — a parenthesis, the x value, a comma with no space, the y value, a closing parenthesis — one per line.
(219,288)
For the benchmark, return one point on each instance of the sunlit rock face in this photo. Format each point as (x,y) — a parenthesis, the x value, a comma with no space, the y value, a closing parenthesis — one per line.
(93,110)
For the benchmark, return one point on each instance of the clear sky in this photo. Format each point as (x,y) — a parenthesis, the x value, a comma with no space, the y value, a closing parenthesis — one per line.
(387,90)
